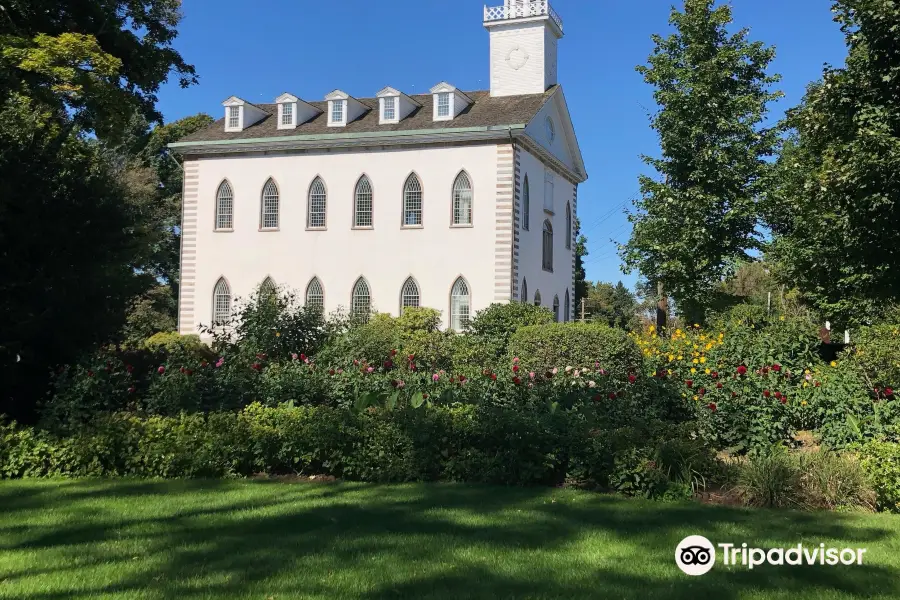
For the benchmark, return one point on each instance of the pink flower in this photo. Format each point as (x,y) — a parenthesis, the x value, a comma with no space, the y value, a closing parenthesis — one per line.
(554,370)
(220,362)
(596,365)
(515,360)
(603,371)
(294,356)
(401,384)
(161,369)
(340,371)
(370,369)
(531,375)
(435,378)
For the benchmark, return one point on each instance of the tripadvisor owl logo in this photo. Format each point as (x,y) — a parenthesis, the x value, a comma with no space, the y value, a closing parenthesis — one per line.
(695,555)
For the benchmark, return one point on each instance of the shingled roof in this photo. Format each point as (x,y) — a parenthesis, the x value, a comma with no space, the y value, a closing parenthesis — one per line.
(485,111)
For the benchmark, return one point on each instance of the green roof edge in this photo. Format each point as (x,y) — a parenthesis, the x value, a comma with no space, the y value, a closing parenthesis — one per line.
(341,136)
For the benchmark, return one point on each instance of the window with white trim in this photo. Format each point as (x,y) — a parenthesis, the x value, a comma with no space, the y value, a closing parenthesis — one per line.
(537,297)
(412,202)
(409,295)
(526,205)
(268,218)
(362,203)
(567,308)
(568,226)
(315,295)
(287,113)
(221,302)
(234,117)
(337,111)
(443,104)
(462,200)
(390,108)
(460,305)
(224,206)
(524,295)
(556,308)
(361,300)
(548,191)
(547,247)
(318,200)
(267,289)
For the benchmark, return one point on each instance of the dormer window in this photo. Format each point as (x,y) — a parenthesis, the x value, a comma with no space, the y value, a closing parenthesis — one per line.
(394,106)
(234,117)
(293,112)
(240,114)
(448,102)
(337,111)
(443,106)
(343,109)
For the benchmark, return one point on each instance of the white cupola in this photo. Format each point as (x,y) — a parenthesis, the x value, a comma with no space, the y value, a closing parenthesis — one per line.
(292,111)
(240,114)
(394,106)
(524,36)
(448,102)
(343,108)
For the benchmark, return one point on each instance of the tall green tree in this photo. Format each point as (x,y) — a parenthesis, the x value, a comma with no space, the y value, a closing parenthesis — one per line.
(699,216)
(614,305)
(581,284)
(834,202)
(96,62)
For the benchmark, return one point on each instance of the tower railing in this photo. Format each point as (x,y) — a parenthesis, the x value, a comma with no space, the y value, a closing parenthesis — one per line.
(516,9)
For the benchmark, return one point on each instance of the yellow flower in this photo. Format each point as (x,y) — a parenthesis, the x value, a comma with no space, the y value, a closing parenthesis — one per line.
(834,363)
(806,372)
(708,371)
(652,328)
(702,359)
(781,318)
(696,397)
(695,361)
(671,357)
(803,403)
(693,370)
(678,331)
(805,384)
(680,357)
(277,334)
(696,326)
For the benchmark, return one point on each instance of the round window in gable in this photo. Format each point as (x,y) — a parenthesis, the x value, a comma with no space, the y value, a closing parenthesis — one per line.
(551,129)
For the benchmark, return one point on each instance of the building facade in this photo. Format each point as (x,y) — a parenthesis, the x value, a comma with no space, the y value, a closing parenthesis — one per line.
(452,200)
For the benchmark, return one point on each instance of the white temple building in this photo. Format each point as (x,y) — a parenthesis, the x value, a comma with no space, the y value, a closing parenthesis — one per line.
(452,200)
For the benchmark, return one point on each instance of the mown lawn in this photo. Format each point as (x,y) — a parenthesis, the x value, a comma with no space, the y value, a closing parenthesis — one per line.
(256,539)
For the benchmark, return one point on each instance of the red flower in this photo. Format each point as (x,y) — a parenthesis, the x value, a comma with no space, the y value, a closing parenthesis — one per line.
(161,369)
(712,406)
(355,362)
(493,377)
(412,367)
(766,393)
(596,398)
(462,378)
(131,390)
(784,399)
(888,392)
(714,374)
(393,353)
(734,394)
(91,373)
(188,372)
(302,357)
(632,379)
(515,368)
(331,371)
(818,383)
(516,380)
(612,395)
(765,370)
(776,367)
(719,385)
(388,364)
(411,357)
(778,395)
(425,396)
(742,370)
(202,364)
(702,391)
(452,379)
(689,383)
(181,369)
(256,366)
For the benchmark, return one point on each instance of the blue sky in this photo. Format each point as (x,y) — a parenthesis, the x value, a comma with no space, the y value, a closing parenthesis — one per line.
(259,49)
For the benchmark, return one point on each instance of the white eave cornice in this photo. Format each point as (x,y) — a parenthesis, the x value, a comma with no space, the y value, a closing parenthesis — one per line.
(389,91)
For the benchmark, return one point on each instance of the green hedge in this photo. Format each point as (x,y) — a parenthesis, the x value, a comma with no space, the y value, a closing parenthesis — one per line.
(557,345)
(460,443)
